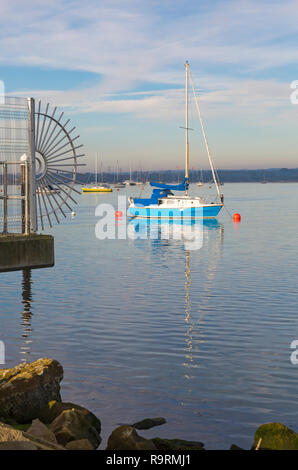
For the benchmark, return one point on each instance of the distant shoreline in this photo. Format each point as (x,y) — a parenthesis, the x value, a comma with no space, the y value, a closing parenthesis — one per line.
(271,175)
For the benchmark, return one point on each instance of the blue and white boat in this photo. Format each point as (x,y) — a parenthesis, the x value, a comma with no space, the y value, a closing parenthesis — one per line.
(163,203)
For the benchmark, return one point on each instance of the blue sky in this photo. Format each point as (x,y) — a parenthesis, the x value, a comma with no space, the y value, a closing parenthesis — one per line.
(116,67)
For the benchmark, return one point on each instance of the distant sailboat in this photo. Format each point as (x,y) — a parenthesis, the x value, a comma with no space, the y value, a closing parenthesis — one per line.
(118,184)
(200,183)
(163,203)
(97,188)
(264,181)
(130,182)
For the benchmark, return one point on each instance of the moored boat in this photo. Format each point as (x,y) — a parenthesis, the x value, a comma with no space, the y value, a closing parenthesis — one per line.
(163,203)
(97,187)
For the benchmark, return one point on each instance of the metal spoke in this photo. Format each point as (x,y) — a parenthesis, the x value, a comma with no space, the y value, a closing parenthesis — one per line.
(59,205)
(60,148)
(43,124)
(44,203)
(48,128)
(63,146)
(63,190)
(50,202)
(69,158)
(37,127)
(59,180)
(49,149)
(49,143)
(70,150)
(40,211)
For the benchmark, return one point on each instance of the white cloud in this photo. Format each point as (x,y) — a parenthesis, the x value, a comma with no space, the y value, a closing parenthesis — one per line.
(129,43)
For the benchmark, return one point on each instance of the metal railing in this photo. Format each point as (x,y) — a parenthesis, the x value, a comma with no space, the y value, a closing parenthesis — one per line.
(24,210)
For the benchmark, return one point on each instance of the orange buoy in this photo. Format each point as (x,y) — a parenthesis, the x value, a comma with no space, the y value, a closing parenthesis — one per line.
(118,214)
(236,217)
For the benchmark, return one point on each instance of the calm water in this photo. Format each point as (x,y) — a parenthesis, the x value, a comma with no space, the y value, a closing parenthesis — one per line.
(148,328)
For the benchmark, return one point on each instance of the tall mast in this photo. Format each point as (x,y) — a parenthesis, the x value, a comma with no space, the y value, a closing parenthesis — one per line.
(96,157)
(186,129)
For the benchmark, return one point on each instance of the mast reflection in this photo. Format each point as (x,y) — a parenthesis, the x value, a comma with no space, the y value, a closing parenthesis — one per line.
(214,245)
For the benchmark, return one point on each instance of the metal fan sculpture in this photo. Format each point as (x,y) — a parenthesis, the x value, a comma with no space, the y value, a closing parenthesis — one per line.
(56,164)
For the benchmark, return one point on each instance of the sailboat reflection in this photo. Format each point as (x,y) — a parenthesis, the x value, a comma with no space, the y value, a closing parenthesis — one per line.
(26,315)
(209,236)
(190,232)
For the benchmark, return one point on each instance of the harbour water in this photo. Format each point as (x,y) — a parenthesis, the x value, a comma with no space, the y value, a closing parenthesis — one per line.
(147,327)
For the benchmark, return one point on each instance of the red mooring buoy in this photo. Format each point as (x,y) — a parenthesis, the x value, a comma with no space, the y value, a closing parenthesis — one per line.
(236,217)
(118,214)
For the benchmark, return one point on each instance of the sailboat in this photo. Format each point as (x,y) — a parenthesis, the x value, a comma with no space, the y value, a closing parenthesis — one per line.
(97,188)
(118,184)
(129,182)
(163,203)
(200,183)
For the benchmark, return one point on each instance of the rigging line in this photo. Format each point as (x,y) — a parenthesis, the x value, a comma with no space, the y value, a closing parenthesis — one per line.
(228,212)
(204,135)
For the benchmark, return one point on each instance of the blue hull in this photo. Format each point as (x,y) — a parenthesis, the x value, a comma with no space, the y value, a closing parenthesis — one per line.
(206,212)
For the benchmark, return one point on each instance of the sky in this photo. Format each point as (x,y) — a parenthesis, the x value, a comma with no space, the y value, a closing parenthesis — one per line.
(116,68)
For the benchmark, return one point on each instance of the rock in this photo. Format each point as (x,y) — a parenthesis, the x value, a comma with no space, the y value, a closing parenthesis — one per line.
(42,444)
(235,447)
(276,436)
(27,388)
(81,444)
(14,424)
(176,444)
(8,433)
(23,440)
(38,429)
(149,423)
(72,425)
(17,445)
(54,408)
(126,438)
(21,427)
